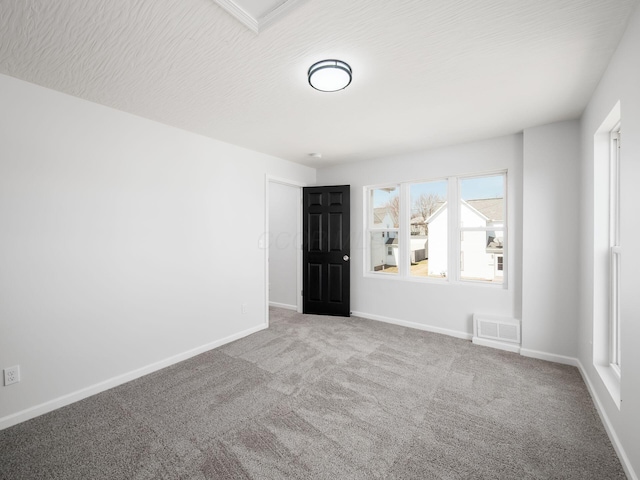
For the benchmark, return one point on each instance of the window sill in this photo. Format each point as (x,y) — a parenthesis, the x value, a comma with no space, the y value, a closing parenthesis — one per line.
(611,381)
(436,281)
(395,276)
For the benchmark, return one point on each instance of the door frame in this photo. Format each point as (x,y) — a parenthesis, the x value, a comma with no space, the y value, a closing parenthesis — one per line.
(264,241)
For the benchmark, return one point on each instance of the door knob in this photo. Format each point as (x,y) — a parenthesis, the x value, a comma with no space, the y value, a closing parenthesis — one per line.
(346,258)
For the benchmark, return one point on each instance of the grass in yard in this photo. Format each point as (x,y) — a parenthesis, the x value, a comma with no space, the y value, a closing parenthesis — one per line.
(420,269)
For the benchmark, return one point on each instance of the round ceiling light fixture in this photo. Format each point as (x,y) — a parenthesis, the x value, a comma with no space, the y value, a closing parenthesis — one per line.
(329,75)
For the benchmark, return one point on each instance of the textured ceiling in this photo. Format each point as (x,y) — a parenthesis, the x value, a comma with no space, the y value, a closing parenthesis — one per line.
(257,14)
(426,72)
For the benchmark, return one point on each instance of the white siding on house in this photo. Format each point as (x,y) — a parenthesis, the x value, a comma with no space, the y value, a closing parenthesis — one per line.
(418,245)
(438,244)
(380,258)
(392,255)
(473,247)
(475,262)
(378,249)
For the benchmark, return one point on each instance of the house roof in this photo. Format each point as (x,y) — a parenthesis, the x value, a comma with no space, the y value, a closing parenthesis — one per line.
(491,208)
(380,212)
(439,207)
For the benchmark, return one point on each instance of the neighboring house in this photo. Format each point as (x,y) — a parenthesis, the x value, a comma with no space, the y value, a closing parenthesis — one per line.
(391,251)
(418,239)
(384,245)
(418,226)
(481,253)
(385,217)
(437,245)
(419,248)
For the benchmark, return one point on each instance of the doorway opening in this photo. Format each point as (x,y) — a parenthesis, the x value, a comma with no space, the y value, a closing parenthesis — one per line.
(283,244)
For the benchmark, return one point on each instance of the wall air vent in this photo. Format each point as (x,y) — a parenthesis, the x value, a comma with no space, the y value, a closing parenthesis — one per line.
(497,332)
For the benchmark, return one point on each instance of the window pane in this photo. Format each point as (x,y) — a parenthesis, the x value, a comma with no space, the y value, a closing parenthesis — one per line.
(386,207)
(481,256)
(482,201)
(384,252)
(428,225)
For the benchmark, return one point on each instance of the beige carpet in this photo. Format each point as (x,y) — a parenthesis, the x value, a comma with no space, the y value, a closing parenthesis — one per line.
(327,398)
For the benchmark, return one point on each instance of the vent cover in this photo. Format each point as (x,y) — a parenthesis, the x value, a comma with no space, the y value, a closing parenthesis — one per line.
(497,329)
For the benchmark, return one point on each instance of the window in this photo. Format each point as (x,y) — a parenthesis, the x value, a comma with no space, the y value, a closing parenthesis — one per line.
(428,249)
(614,249)
(607,251)
(482,225)
(419,228)
(383,228)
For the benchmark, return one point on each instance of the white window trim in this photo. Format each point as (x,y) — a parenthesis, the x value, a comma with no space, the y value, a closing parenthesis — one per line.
(460,228)
(615,251)
(605,286)
(368,229)
(454,232)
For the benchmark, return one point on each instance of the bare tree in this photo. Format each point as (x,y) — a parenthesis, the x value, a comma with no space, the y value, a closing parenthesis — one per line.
(393,207)
(426,204)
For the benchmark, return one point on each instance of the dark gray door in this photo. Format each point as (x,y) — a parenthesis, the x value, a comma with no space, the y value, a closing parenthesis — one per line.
(326,250)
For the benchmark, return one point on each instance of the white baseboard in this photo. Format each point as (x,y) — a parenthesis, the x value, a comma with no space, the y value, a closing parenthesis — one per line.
(283,305)
(509,347)
(624,459)
(549,357)
(83,393)
(418,326)
(615,441)
(64,400)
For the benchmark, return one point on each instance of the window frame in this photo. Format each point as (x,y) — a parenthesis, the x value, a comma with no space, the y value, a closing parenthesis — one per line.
(615,251)
(461,229)
(370,228)
(607,321)
(455,232)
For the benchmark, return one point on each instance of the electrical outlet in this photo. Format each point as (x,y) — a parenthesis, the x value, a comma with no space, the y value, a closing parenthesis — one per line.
(11,375)
(243,308)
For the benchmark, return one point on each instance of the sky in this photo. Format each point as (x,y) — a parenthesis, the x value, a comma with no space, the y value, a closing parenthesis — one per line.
(482,187)
(470,189)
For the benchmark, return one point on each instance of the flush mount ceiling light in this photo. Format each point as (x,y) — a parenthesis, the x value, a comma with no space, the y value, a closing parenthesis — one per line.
(329,75)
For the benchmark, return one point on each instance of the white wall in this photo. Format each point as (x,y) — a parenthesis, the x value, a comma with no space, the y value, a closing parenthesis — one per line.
(284,238)
(620,83)
(550,266)
(123,242)
(119,248)
(438,305)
